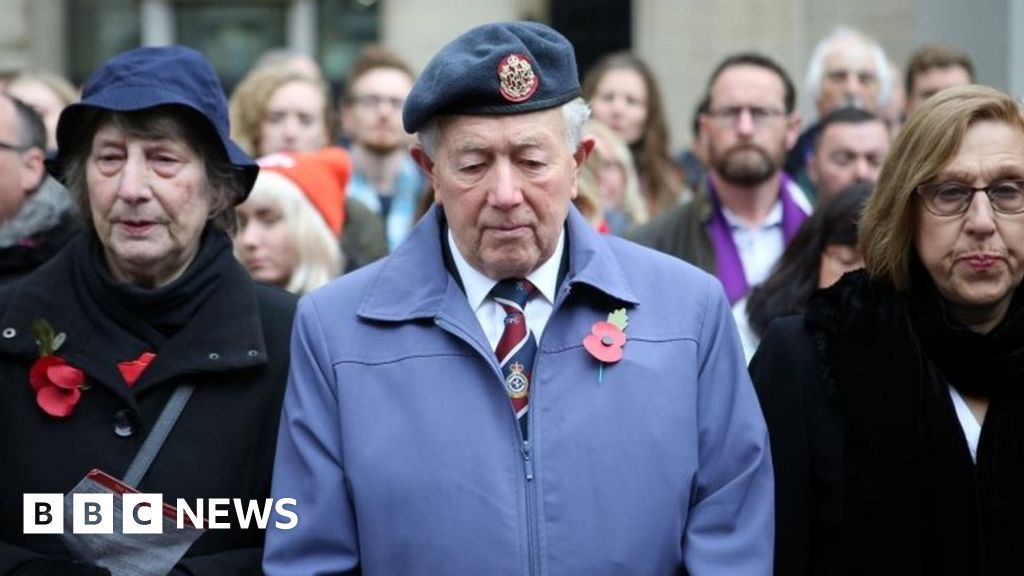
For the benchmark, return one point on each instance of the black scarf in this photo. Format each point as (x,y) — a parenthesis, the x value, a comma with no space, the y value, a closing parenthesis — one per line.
(975,364)
(145,318)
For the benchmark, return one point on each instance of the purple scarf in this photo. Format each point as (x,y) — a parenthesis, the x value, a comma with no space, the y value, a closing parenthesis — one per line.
(728,266)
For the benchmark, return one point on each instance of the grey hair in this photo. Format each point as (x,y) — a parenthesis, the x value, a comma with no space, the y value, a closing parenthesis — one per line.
(575,114)
(31,128)
(816,66)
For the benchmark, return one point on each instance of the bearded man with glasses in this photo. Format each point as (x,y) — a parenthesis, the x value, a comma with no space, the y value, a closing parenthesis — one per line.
(385,179)
(747,209)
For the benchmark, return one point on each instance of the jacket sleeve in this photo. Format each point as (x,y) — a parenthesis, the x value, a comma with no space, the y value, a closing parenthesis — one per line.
(805,431)
(730,529)
(309,467)
(12,556)
(239,561)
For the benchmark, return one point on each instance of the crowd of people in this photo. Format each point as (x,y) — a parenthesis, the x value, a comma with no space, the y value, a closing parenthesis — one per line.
(482,319)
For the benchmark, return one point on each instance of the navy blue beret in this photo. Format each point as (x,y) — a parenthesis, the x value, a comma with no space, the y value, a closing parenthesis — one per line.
(507,68)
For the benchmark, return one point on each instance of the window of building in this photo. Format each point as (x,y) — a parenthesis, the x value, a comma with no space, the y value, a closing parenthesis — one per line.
(97,30)
(344,27)
(595,27)
(233,34)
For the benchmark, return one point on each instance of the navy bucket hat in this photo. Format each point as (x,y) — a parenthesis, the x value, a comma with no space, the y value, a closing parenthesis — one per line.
(495,69)
(158,76)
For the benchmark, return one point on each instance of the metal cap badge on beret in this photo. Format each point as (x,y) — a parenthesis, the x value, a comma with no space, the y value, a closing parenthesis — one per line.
(507,68)
(157,76)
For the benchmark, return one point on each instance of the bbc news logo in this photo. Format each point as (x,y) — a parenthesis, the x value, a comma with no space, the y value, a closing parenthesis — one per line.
(94,513)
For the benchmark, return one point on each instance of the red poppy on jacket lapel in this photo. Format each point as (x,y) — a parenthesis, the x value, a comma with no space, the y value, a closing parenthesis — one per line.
(606,340)
(58,386)
(132,369)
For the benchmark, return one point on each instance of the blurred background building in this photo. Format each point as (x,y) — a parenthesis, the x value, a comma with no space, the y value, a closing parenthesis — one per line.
(681,39)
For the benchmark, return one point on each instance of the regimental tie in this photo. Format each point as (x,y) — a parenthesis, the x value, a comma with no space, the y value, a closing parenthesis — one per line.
(517,346)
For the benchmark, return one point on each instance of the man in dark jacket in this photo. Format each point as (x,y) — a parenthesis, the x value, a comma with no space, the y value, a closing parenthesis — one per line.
(36,214)
(738,224)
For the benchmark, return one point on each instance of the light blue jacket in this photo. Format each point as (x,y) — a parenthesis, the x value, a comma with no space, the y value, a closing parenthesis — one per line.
(401,448)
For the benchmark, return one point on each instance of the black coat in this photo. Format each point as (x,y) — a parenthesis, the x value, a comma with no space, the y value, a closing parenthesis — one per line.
(873,472)
(235,351)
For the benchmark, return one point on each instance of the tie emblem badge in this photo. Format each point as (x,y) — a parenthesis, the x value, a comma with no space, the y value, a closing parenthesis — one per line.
(516,383)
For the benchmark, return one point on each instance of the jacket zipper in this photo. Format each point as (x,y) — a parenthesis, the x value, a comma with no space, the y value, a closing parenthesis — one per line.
(531,508)
(524,450)
(533,546)
(532,528)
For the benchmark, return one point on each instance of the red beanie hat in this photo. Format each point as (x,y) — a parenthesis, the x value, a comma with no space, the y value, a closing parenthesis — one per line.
(322,176)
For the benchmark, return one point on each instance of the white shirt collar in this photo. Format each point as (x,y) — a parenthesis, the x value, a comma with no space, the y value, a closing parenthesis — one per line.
(774,218)
(478,286)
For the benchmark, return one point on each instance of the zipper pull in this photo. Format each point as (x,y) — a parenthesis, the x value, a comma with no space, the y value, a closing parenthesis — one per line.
(527,460)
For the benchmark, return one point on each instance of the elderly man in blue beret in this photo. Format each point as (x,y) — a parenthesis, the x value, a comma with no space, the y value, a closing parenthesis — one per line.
(509,392)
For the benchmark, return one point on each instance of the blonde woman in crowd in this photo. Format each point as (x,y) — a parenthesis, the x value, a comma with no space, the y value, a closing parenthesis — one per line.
(47,93)
(280,108)
(588,202)
(290,225)
(611,174)
(623,93)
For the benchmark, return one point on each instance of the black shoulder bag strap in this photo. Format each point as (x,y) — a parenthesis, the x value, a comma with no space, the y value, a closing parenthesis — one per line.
(158,435)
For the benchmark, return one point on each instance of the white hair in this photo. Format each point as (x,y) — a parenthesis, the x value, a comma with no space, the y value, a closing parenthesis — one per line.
(816,66)
(575,114)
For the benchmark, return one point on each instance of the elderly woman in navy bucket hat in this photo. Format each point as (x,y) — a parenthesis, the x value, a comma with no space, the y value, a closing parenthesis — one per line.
(142,357)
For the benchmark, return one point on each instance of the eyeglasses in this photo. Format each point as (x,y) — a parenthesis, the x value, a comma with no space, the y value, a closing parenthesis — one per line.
(841,76)
(375,100)
(954,198)
(13,147)
(758,116)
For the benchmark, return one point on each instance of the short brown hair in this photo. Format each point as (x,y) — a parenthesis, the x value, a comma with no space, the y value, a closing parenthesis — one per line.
(932,56)
(372,57)
(925,145)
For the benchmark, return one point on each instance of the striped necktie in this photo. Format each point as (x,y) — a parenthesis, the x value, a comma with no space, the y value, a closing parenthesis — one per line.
(517,345)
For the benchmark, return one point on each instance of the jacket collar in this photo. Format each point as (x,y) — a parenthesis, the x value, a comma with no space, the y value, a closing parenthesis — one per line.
(414,283)
(43,210)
